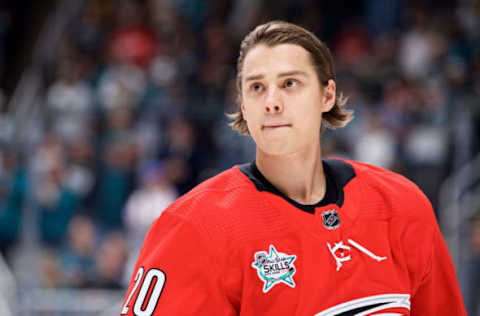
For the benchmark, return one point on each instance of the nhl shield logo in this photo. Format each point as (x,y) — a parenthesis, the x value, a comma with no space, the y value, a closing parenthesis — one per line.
(331,219)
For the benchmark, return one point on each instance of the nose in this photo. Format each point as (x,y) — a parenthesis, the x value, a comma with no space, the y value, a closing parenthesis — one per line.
(273,102)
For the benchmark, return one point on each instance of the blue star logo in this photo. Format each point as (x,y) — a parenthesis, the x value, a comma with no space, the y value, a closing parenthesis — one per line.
(274,268)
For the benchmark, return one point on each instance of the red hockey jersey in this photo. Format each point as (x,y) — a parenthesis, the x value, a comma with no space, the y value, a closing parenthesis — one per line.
(235,245)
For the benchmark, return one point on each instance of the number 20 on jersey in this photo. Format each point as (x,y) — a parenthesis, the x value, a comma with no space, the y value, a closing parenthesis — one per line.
(141,305)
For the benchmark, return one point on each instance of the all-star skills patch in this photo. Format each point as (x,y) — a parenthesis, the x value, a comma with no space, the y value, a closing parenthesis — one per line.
(274,268)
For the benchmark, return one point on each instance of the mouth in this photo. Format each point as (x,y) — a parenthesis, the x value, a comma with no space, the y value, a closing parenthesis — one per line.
(276,125)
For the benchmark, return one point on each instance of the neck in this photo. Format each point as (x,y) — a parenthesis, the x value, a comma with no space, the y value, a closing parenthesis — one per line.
(299,176)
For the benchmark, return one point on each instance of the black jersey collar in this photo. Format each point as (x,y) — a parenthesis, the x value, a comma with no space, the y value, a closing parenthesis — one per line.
(337,174)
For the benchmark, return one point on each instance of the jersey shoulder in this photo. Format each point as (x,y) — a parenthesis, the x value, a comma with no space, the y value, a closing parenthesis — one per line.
(228,205)
(398,195)
(219,192)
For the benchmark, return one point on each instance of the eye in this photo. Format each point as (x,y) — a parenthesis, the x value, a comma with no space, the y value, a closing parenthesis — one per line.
(290,83)
(256,87)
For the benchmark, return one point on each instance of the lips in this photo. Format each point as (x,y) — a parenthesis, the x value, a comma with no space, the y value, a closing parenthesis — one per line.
(276,125)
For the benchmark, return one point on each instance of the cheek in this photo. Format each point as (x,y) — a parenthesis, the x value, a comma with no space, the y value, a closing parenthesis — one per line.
(250,112)
(308,112)
(249,120)
(310,129)
(311,122)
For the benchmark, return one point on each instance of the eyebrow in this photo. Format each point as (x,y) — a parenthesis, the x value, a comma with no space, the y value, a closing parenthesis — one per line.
(283,74)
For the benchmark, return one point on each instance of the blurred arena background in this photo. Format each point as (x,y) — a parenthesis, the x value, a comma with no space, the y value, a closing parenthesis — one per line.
(110,109)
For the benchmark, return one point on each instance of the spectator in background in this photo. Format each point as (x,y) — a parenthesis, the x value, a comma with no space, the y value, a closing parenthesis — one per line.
(165,95)
(80,175)
(352,48)
(88,34)
(120,85)
(57,205)
(130,50)
(116,174)
(56,202)
(116,182)
(13,188)
(110,262)
(376,145)
(144,205)
(383,17)
(70,101)
(77,256)
(163,100)
(189,152)
(415,56)
(50,269)
(208,93)
(132,40)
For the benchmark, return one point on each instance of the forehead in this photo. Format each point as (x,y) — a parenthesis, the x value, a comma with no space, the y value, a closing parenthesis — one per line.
(278,58)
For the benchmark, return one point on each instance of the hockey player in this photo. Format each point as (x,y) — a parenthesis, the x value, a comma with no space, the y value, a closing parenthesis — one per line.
(293,233)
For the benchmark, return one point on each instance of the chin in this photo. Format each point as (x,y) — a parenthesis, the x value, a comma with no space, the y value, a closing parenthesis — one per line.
(279,149)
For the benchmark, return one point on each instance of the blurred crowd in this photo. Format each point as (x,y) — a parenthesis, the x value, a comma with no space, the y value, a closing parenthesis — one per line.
(134,114)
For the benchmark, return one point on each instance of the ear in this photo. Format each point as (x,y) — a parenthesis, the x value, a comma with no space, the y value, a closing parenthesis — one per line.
(242,107)
(329,96)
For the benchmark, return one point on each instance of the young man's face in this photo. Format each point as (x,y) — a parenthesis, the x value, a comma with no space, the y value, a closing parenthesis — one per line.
(283,100)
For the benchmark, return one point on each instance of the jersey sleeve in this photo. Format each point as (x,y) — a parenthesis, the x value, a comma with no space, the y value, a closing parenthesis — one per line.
(438,292)
(176,273)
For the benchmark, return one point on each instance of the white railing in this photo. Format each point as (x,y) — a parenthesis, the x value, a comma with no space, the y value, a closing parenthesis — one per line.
(459,199)
(7,289)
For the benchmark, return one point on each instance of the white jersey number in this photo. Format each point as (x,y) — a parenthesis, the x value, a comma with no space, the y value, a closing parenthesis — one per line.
(160,277)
